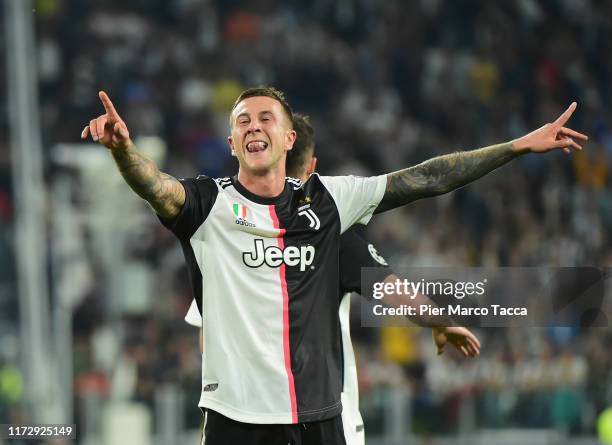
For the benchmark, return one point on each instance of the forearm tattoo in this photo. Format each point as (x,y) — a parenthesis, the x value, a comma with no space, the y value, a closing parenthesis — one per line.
(163,192)
(442,174)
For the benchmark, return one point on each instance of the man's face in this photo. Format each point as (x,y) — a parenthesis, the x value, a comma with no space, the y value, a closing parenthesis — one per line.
(261,134)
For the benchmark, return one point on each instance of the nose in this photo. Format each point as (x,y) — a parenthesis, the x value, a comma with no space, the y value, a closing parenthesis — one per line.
(253,127)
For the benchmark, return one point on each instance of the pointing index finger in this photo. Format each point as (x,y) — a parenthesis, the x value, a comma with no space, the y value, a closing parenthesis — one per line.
(108,106)
(561,120)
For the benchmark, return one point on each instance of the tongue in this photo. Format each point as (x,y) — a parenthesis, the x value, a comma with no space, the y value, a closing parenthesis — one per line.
(256,146)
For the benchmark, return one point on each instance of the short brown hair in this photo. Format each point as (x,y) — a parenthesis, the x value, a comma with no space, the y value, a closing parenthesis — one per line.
(267,92)
(303,147)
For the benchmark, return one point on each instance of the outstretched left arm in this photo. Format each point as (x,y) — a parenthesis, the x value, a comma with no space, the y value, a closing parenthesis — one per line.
(443,174)
(449,172)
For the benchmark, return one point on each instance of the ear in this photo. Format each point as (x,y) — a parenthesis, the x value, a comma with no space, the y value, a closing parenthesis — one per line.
(290,138)
(231,145)
(312,166)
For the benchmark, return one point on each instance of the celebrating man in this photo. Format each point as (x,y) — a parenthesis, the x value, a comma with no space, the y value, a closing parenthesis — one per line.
(263,249)
(355,253)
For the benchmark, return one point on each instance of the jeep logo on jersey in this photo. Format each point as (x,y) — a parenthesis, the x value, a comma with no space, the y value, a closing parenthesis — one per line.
(274,256)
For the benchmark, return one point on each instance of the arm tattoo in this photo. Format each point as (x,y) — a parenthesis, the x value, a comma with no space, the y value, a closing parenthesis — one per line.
(442,174)
(163,192)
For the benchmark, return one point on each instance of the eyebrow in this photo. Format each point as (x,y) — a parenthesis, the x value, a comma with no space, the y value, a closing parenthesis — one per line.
(261,113)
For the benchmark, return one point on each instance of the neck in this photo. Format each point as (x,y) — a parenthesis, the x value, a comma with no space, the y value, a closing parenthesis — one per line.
(267,185)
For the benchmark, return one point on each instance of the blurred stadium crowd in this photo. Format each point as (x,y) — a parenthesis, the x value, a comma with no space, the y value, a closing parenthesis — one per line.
(387,85)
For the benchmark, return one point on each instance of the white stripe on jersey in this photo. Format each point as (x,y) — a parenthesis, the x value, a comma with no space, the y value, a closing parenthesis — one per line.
(223,182)
(193,316)
(205,421)
(296,183)
(239,387)
(351,417)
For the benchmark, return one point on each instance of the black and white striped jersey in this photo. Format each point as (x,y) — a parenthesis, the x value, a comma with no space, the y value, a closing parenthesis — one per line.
(355,252)
(267,269)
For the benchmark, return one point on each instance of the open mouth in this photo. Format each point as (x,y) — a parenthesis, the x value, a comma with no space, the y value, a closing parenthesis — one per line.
(256,146)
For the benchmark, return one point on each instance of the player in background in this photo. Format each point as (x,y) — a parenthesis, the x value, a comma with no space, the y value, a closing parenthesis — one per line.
(274,373)
(355,253)
(301,163)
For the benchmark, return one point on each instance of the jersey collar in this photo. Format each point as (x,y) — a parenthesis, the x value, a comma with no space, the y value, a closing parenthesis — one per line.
(283,197)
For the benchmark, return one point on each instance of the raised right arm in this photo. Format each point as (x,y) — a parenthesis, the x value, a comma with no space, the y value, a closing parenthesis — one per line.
(162,191)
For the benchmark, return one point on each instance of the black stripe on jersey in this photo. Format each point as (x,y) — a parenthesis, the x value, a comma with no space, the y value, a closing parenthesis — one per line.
(315,339)
(200,196)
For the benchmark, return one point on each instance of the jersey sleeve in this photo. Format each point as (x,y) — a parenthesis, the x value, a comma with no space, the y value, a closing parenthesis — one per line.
(200,196)
(356,252)
(193,316)
(355,197)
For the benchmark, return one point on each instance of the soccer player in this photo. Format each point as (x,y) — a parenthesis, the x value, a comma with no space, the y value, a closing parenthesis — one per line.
(264,251)
(355,253)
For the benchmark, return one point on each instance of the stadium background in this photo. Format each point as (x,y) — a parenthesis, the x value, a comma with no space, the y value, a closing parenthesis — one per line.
(388,84)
